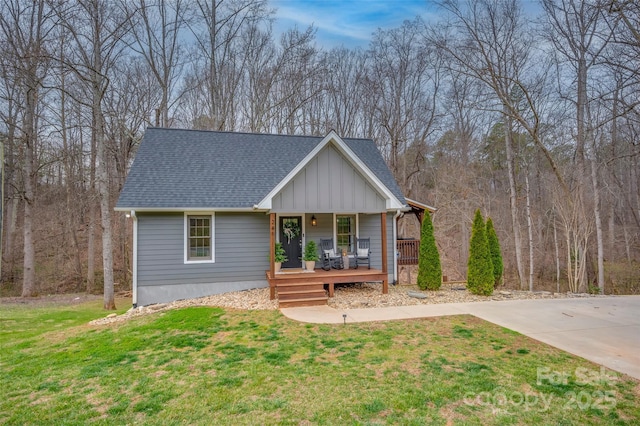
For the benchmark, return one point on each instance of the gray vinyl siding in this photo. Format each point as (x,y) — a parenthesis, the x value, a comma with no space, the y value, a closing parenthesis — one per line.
(370,227)
(241,250)
(324,229)
(241,242)
(329,183)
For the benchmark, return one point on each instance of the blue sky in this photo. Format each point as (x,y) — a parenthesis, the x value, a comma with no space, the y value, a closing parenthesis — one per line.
(347,22)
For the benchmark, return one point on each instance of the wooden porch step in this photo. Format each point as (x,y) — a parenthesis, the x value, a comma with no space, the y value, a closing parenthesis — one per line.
(291,295)
(300,286)
(316,301)
(301,294)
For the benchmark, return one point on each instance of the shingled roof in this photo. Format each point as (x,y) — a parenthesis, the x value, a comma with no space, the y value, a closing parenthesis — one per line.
(193,169)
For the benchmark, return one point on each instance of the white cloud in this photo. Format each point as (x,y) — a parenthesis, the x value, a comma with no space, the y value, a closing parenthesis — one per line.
(324,20)
(351,23)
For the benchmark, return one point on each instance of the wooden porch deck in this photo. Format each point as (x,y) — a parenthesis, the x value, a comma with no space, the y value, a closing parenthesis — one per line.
(330,277)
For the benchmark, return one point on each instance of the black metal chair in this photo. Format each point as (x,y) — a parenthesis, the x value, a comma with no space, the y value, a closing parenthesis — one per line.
(363,252)
(330,258)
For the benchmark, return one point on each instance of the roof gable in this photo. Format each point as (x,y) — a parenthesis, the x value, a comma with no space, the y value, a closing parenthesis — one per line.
(178,169)
(392,202)
(329,183)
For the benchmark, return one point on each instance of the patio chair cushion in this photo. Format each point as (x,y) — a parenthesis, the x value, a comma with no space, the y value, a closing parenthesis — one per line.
(331,253)
(363,252)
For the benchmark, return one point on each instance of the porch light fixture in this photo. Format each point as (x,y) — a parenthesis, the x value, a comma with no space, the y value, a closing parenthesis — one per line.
(314,221)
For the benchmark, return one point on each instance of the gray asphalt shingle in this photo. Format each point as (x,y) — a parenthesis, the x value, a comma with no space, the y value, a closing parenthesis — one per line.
(177,168)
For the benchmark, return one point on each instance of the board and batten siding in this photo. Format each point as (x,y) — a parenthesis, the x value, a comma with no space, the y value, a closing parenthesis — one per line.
(241,242)
(328,184)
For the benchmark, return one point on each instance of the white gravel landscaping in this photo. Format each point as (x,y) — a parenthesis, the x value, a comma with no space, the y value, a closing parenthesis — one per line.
(347,296)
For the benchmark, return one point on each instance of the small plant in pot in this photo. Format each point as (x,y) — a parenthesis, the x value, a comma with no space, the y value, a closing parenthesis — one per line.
(280,256)
(310,255)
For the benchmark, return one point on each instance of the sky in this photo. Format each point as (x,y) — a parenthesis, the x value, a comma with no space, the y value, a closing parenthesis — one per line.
(347,22)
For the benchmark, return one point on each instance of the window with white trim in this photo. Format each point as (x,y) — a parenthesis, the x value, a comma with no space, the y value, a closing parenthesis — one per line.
(199,238)
(346,233)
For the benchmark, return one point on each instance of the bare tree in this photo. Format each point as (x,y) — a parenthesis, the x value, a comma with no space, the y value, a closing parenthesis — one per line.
(281,80)
(491,44)
(25,27)
(576,33)
(299,83)
(405,76)
(346,90)
(622,160)
(217,28)
(473,111)
(68,159)
(11,96)
(261,77)
(97,29)
(157,30)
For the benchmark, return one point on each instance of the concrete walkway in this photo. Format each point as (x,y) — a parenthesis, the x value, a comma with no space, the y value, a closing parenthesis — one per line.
(605,330)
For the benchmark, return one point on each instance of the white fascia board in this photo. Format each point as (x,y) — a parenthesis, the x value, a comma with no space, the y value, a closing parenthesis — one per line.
(392,203)
(418,203)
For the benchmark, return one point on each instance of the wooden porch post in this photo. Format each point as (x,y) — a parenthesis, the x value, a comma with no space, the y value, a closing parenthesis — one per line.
(272,244)
(383,230)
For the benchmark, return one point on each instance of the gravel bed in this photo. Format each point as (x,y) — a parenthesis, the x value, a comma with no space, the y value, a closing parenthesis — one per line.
(347,296)
(366,295)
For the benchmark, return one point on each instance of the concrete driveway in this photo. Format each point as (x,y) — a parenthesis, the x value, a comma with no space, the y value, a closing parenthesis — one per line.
(605,330)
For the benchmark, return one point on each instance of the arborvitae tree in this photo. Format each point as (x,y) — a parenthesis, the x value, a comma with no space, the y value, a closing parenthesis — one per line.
(429,269)
(480,268)
(494,249)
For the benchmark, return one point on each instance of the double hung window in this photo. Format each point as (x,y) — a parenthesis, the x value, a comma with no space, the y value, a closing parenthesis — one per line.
(346,233)
(199,238)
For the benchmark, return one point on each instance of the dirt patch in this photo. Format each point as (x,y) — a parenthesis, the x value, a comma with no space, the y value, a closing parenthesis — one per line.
(51,299)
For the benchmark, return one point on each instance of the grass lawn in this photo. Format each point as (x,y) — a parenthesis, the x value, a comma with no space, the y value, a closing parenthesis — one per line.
(214,366)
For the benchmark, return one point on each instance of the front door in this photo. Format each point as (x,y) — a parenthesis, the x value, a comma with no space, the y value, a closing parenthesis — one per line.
(291,239)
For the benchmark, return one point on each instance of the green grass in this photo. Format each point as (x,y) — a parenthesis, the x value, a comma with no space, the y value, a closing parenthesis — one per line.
(211,366)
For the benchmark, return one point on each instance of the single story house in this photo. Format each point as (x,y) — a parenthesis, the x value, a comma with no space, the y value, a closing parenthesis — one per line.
(208,207)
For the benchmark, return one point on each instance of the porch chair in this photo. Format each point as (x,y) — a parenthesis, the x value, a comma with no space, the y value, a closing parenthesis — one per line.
(363,252)
(330,258)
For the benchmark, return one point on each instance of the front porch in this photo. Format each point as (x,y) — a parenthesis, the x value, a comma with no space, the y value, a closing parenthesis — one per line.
(298,287)
(329,278)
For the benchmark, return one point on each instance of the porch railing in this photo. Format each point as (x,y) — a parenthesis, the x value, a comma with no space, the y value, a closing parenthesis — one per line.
(407,251)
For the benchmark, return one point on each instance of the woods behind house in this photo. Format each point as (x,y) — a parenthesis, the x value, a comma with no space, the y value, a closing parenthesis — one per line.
(529,115)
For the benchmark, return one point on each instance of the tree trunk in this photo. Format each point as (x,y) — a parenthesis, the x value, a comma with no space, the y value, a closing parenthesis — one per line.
(612,233)
(557,253)
(598,221)
(102,179)
(530,231)
(10,216)
(11,219)
(105,216)
(28,265)
(611,249)
(69,184)
(29,272)
(513,195)
(91,231)
(627,243)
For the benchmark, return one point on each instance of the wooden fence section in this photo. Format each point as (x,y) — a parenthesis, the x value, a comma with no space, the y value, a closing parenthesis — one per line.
(408,252)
